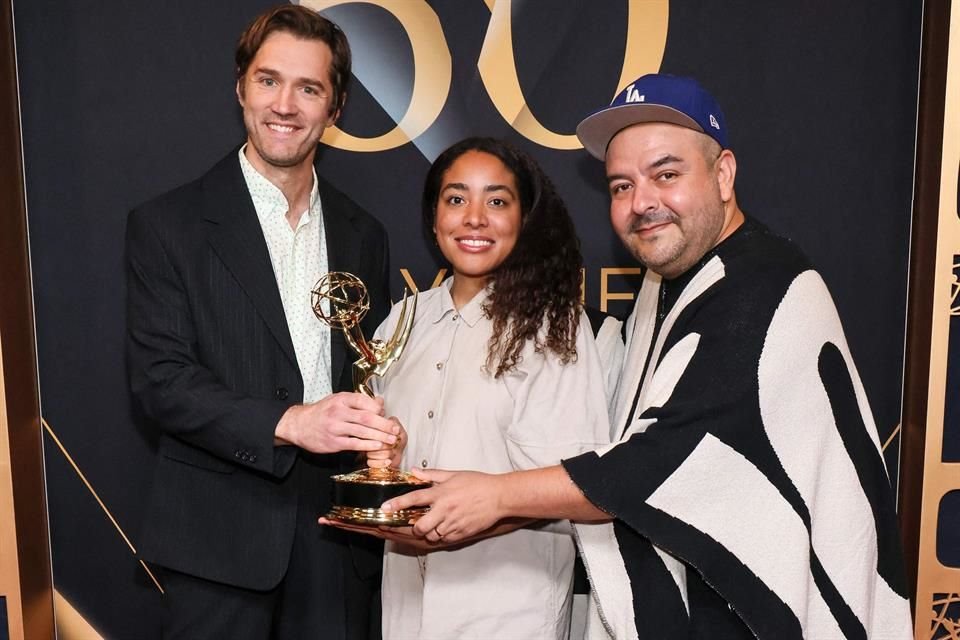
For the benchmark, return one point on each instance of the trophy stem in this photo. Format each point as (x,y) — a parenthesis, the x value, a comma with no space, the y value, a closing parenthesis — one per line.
(359,344)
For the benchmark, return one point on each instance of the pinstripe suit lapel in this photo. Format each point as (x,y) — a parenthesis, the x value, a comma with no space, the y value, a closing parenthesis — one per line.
(236,236)
(343,254)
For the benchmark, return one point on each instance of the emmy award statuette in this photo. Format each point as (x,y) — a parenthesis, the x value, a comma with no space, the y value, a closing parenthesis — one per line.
(357,496)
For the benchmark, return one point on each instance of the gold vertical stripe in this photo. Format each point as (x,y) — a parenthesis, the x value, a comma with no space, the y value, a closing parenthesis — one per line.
(96,496)
(9,567)
(940,477)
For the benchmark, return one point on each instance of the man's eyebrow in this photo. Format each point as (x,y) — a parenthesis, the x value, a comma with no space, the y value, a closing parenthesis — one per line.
(273,72)
(313,81)
(267,70)
(662,160)
(656,164)
(616,176)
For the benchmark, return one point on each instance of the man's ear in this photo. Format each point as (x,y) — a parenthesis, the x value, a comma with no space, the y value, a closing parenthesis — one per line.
(335,113)
(726,174)
(240,90)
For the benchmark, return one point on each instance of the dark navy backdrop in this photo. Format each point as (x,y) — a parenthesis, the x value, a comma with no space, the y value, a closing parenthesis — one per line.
(124,100)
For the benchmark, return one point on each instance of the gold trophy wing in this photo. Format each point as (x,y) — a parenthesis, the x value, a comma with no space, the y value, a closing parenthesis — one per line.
(384,353)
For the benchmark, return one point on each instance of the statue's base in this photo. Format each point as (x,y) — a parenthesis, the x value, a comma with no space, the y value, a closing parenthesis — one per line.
(374,517)
(357,497)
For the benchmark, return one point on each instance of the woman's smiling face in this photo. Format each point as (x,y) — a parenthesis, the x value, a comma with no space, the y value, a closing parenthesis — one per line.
(478,217)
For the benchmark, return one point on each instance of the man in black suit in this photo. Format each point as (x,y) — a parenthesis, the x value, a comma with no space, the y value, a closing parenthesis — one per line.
(242,381)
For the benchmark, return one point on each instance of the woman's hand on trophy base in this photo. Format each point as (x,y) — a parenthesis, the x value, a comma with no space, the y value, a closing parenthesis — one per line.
(462,504)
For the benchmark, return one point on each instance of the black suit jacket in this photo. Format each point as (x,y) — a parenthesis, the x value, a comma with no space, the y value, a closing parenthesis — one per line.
(212,363)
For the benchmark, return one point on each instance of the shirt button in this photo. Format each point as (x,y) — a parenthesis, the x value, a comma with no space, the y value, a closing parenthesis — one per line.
(439,366)
(423,463)
(429,414)
(455,316)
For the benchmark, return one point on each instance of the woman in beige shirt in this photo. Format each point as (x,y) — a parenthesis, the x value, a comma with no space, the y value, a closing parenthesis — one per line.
(500,373)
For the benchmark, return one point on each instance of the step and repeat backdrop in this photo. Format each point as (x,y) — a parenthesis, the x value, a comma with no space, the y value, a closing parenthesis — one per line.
(122,101)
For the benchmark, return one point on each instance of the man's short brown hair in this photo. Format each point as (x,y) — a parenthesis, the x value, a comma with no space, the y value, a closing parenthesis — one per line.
(305,24)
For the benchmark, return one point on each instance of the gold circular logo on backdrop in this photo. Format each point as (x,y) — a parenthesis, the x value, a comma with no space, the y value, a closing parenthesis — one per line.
(432,74)
(643,52)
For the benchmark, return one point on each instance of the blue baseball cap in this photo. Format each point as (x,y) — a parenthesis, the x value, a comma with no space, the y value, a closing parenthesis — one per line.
(655,97)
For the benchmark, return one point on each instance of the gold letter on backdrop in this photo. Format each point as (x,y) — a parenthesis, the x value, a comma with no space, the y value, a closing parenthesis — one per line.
(643,53)
(605,294)
(431,74)
(413,285)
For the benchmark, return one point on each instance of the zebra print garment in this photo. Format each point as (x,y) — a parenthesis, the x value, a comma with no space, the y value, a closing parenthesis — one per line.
(748,487)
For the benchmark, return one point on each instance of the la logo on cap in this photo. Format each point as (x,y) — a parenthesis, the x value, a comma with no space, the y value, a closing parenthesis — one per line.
(714,123)
(633,95)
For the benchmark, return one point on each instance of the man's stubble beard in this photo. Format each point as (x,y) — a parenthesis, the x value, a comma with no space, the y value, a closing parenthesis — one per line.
(703,239)
(297,158)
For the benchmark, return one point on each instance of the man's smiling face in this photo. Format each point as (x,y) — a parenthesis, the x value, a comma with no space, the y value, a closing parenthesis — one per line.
(286,95)
(666,187)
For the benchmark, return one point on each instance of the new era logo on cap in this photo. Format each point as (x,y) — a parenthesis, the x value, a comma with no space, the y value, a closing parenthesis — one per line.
(654,98)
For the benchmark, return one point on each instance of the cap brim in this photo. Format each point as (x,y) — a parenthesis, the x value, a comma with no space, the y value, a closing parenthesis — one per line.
(596,131)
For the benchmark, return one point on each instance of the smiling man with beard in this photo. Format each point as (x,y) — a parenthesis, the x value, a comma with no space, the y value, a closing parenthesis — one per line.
(747,495)
(246,388)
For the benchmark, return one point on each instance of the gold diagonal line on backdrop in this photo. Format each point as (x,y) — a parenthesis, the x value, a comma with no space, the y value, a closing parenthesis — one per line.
(893,435)
(46,425)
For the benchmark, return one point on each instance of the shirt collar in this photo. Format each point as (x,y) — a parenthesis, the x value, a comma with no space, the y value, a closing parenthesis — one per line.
(267,197)
(472,312)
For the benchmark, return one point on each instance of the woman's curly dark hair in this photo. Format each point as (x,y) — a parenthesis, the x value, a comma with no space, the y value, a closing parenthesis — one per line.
(539,282)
